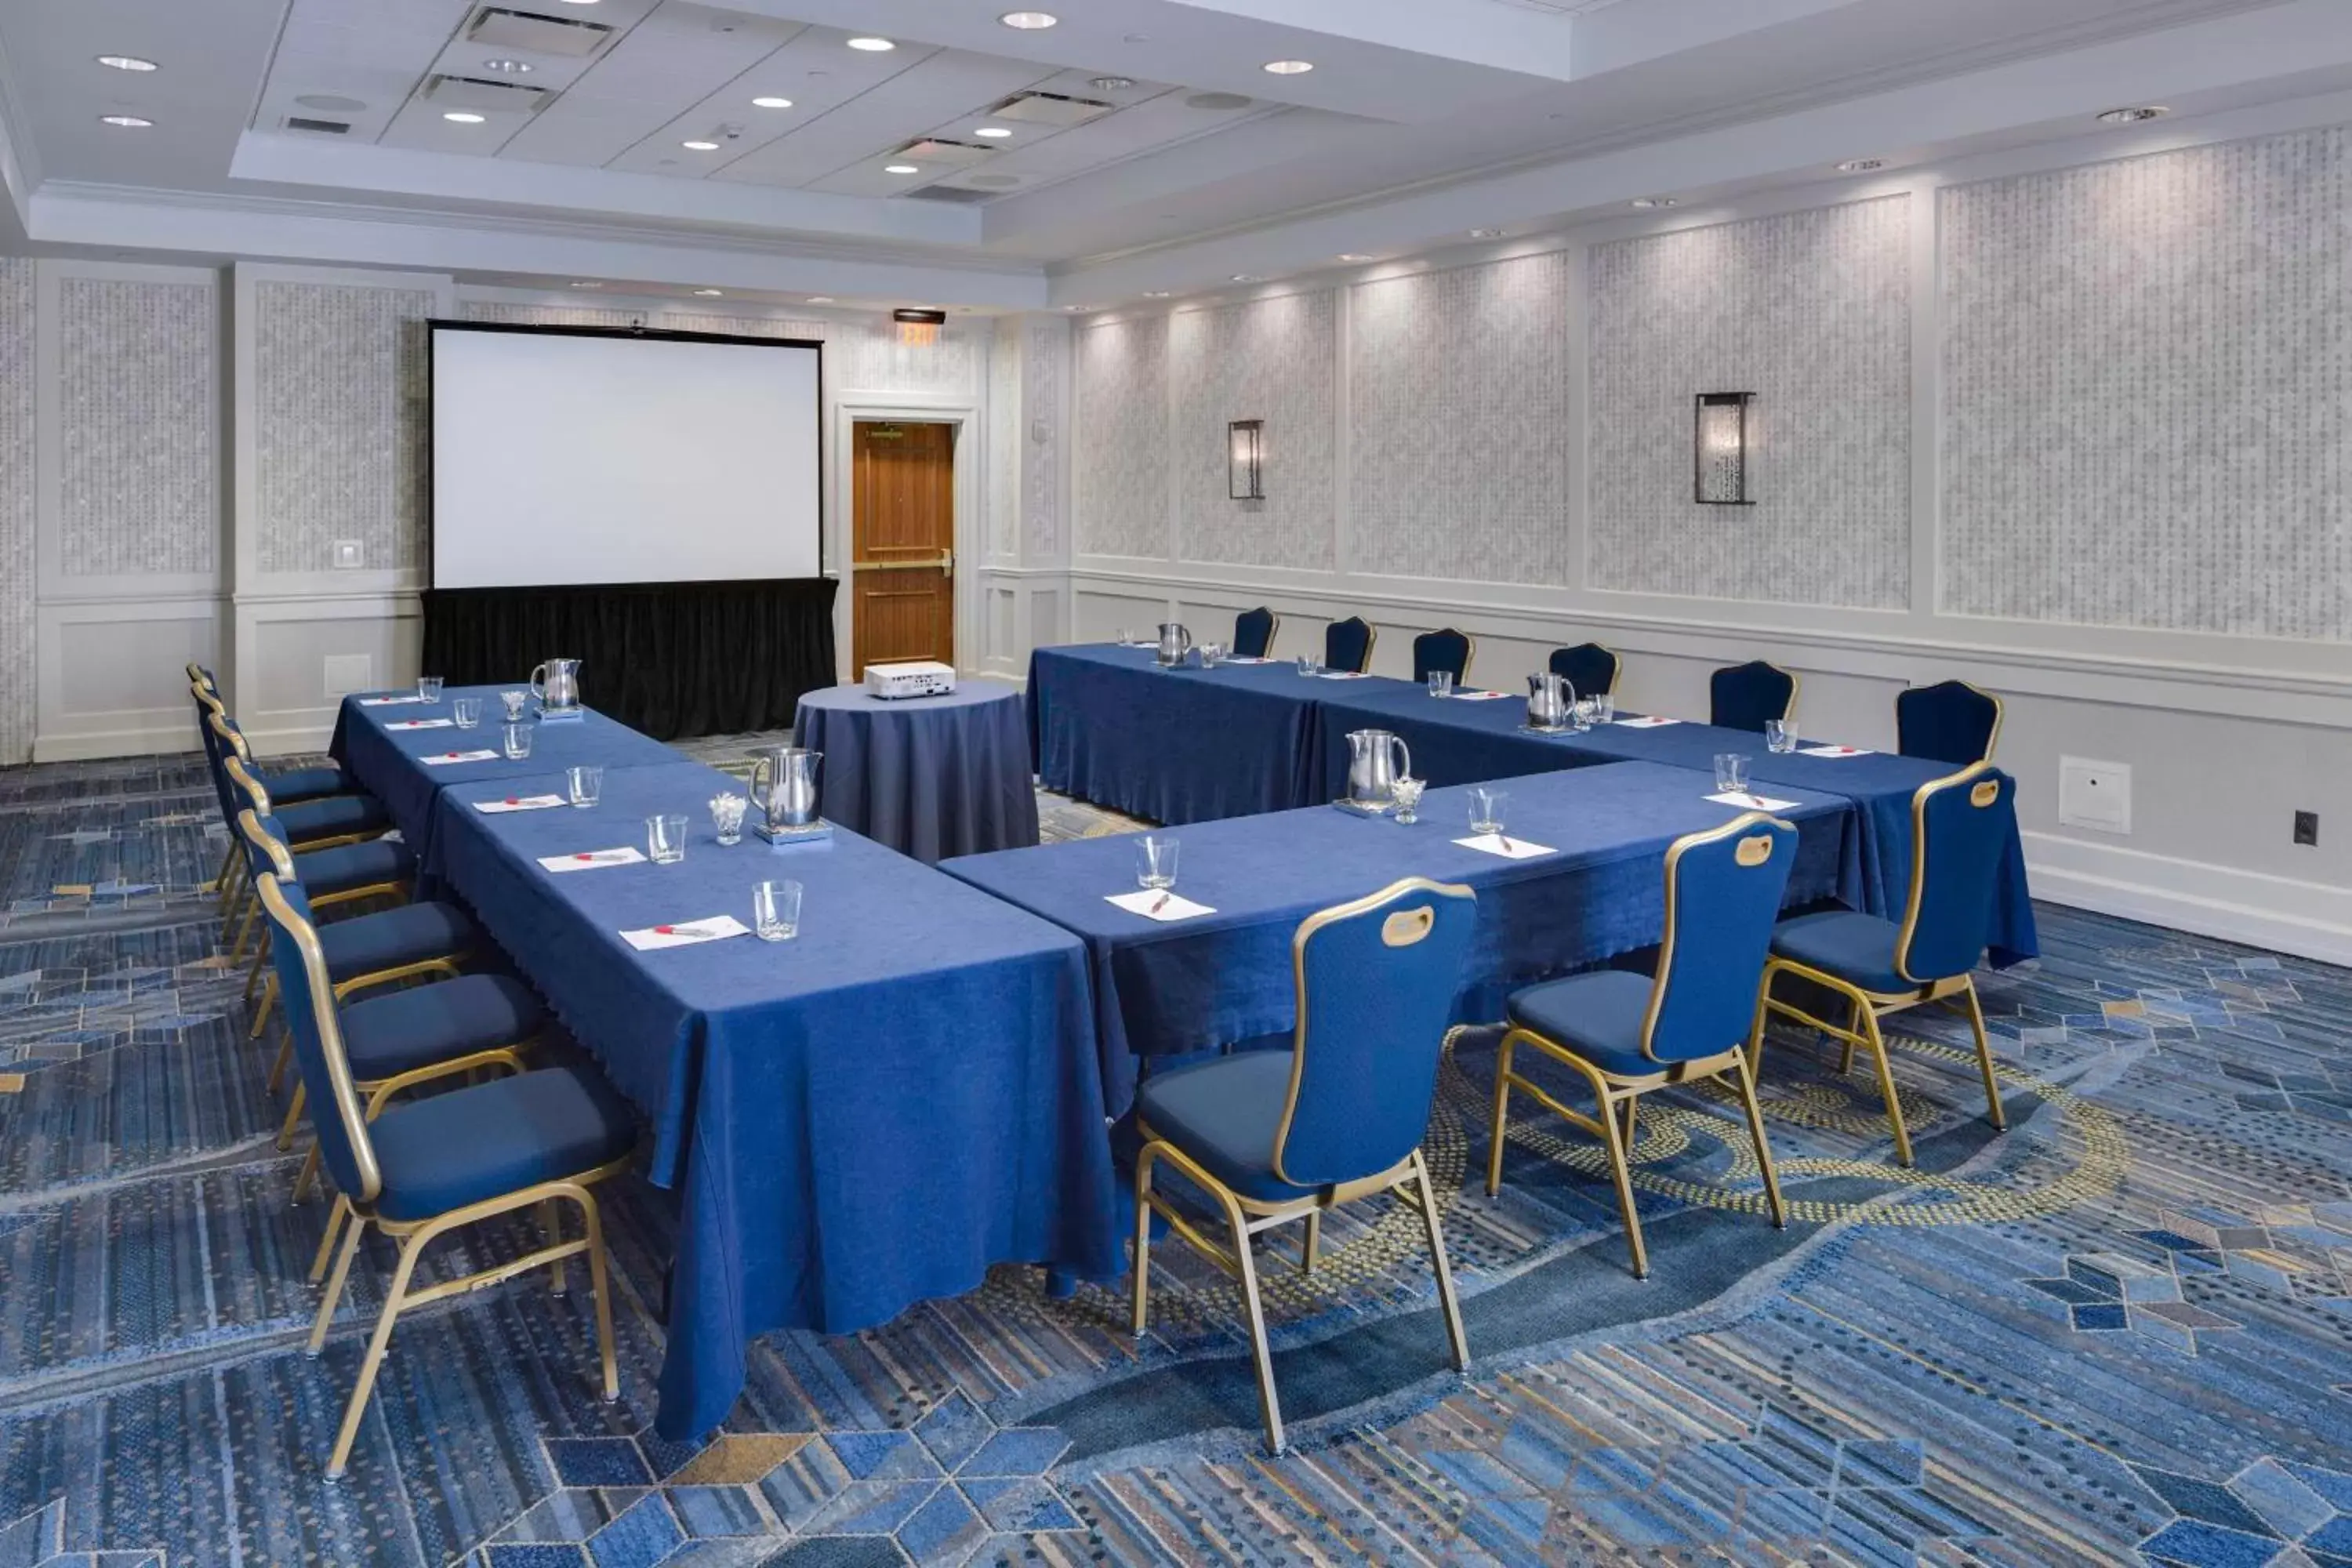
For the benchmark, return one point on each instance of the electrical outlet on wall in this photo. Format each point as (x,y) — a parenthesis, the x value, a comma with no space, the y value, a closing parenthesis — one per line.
(2095,794)
(349,555)
(2306,828)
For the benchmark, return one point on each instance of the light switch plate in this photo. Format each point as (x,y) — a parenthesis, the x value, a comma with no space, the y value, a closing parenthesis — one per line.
(349,555)
(2095,794)
(350,672)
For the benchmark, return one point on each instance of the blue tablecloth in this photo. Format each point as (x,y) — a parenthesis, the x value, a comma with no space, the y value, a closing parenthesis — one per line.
(1171,745)
(930,777)
(1458,741)
(385,761)
(1188,986)
(863,1118)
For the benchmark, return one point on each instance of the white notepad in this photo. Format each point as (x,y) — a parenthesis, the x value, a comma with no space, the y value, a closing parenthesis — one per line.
(685,934)
(1343,675)
(1242,658)
(389,702)
(1835,750)
(1508,848)
(1160,906)
(520,802)
(1478,696)
(443,759)
(1746,801)
(1645,721)
(589,859)
(421,724)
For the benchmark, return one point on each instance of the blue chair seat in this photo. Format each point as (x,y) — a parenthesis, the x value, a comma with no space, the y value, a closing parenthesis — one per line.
(1224,1114)
(1858,949)
(349,866)
(1597,1015)
(389,1035)
(304,784)
(393,939)
(470,1144)
(332,818)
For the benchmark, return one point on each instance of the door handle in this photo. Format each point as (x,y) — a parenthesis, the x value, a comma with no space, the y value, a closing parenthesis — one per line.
(946,563)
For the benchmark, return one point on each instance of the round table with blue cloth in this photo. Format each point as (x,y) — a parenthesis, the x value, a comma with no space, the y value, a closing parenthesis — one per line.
(930,777)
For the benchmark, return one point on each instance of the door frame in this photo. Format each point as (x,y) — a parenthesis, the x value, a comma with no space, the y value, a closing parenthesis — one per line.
(969,441)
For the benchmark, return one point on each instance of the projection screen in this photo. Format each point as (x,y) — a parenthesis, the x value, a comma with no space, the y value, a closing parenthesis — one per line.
(569,456)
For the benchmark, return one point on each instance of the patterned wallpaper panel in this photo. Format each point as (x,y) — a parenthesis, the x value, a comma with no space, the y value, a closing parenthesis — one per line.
(17,516)
(2147,389)
(339,438)
(138,379)
(1812,312)
(1004,438)
(1273,360)
(1046,410)
(1122,464)
(1458,385)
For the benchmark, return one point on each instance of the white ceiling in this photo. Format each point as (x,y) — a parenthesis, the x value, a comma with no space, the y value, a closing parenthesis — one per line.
(1418,115)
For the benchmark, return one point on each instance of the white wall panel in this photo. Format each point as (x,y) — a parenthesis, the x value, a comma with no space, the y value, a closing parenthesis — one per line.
(17,509)
(1122,495)
(138,447)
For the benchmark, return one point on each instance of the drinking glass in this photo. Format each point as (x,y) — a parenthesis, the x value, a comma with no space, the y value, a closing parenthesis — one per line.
(514,702)
(1155,861)
(587,781)
(1604,708)
(666,838)
(1406,791)
(1488,808)
(1211,652)
(776,910)
(518,742)
(468,711)
(1780,735)
(429,687)
(1584,715)
(1126,637)
(1441,683)
(1730,773)
(727,816)
(1309,665)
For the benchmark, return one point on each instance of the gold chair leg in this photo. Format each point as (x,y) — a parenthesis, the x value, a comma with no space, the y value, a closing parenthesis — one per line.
(1269,1405)
(335,1218)
(1887,1087)
(1622,1174)
(1984,1056)
(261,1013)
(1502,1117)
(253,969)
(277,1067)
(240,879)
(550,1219)
(1855,1009)
(293,1118)
(377,1343)
(1633,1124)
(1142,1238)
(238,951)
(1311,1244)
(218,888)
(1749,1103)
(335,1283)
(306,1175)
(1445,1297)
(599,1283)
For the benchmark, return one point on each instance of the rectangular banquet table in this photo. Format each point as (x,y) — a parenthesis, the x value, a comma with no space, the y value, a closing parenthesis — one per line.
(1454,741)
(1171,988)
(867,1116)
(385,761)
(1108,725)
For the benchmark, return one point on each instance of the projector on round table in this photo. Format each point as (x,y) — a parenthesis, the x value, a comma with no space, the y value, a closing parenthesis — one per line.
(914,677)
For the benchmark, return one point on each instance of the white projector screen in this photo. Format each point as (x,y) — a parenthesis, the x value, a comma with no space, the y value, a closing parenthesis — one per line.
(569,457)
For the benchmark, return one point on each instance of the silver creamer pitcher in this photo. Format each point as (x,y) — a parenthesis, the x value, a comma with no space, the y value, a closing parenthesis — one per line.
(1376,760)
(1548,699)
(1175,642)
(556,684)
(784,792)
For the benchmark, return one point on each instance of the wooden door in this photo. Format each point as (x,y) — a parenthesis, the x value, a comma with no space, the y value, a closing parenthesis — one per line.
(902,544)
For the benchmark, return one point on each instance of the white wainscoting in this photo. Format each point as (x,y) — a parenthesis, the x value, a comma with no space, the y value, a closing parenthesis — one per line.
(292,647)
(112,681)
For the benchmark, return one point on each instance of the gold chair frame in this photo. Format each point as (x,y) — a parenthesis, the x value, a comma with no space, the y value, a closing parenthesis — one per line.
(1274,628)
(1865,1008)
(1247,1217)
(414,1235)
(1611,1090)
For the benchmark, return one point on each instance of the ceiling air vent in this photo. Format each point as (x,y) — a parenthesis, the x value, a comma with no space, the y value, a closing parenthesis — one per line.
(500,28)
(932,149)
(318,127)
(955,196)
(489,97)
(1049,109)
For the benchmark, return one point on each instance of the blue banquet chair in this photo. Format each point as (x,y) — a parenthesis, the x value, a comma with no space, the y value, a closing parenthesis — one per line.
(1347,645)
(1254,632)
(1628,1034)
(287,786)
(1274,1136)
(1960,828)
(1950,721)
(1590,668)
(1447,649)
(311,819)
(1743,695)
(418,1170)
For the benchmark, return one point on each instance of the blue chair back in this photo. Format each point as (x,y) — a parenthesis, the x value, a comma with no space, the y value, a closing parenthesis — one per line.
(309,1001)
(1447,649)
(266,847)
(1590,668)
(1950,721)
(1724,890)
(1745,695)
(1377,981)
(1961,829)
(241,787)
(207,707)
(1254,632)
(1347,645)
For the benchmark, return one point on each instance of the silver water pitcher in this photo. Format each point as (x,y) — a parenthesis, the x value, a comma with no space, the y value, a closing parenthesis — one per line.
(784,792)
(1549,701)
(1175,642)
(556,684)
(1376,760)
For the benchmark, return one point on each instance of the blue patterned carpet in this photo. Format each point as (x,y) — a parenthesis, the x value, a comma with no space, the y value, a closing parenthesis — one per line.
(2120,1332)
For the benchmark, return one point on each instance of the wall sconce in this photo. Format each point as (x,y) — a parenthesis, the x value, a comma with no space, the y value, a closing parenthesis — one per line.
(1245,459)
(918,329)
(1720,450)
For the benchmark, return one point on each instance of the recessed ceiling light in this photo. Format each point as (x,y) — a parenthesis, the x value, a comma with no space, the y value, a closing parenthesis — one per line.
(872,46)
(2133,115)
(1647,202)
(1860,165)
(128,122)
(1353,256)
(1290,68)
(462,117)
(994,132)
(709,293)
(507,67)
(1485,234)
(820,300)
(1111,83)
(1029,21)
(126,62)
(700,146)
(585,283)
(901,169)
(1244,276)
(1158,293)
(771,103)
